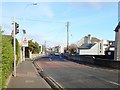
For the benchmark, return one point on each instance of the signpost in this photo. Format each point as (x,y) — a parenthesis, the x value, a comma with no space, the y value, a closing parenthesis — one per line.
(24,43)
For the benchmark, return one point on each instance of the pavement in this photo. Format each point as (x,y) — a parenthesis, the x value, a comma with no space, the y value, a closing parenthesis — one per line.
(27,77)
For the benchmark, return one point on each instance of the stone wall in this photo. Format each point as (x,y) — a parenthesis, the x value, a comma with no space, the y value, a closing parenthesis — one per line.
(95,61)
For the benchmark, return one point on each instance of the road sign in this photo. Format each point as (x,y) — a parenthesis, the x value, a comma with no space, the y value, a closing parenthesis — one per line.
(24,42)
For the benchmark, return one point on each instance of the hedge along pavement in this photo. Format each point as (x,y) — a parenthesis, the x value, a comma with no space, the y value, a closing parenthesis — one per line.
(0,60)
(8,57)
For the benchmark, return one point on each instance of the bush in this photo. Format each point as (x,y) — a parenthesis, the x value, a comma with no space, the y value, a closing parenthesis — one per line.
(17,50)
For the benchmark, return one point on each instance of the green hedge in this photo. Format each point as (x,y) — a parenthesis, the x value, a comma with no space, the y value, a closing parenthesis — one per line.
(17,49)
(0,59)
(8,57)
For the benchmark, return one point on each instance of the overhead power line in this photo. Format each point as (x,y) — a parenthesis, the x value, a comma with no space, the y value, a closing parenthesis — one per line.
(38,20)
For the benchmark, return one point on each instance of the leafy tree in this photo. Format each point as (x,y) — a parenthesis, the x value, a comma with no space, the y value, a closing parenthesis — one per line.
(37,48)
(72,48)
(33,46)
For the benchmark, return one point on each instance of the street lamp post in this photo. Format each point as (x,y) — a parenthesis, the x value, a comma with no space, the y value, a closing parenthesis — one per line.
(15,31)
(45,46)
(14,46)
(67,35)
(24,33)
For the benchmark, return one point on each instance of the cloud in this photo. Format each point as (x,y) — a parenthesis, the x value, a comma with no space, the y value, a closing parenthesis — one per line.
(46,10)
(93,0)
(96,5)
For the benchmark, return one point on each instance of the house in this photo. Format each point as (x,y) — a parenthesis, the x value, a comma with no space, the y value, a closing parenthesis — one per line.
(58,49)
(111,46)
(92,46)
(87,39)
(110,50)
(61,49)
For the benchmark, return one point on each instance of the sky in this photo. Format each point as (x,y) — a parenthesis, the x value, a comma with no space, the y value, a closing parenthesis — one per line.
(47,21)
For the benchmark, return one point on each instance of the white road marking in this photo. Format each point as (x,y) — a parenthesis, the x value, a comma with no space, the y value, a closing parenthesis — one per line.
(56,82)
(38,66)
(41,68)
(50,59)
(35,69)
(109,81)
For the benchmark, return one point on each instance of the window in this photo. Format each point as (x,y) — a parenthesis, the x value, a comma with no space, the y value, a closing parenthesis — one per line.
(109,53)
(105,44)
(100,45)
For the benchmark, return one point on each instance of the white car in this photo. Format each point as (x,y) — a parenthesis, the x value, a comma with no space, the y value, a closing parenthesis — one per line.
(56,54)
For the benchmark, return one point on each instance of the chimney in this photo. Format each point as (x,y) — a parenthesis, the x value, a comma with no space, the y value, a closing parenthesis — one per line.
(89,38)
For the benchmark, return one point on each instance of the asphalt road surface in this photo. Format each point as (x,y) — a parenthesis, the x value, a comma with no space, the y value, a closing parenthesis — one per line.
(73,75)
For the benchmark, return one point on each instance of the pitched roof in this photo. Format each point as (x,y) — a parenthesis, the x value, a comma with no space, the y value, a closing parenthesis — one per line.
(85,40)
(118,27)
(94,39)
(87,45)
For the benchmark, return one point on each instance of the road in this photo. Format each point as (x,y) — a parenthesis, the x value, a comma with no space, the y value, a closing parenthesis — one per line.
(73,75)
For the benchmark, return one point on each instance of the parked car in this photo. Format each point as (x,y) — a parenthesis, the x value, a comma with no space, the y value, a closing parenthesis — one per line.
(56,54)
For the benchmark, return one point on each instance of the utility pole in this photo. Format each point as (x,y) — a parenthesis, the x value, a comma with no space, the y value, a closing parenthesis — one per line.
(14,46)
(67,35)
(45,47)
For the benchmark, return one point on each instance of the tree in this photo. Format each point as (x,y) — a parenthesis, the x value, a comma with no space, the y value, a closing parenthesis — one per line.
(37,48)
(72,48)
(33,46)
(1,30)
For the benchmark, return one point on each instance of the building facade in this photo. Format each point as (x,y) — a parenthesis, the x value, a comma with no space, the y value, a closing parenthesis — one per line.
(97,48)
(92,46)
(57,49)
(117,43)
